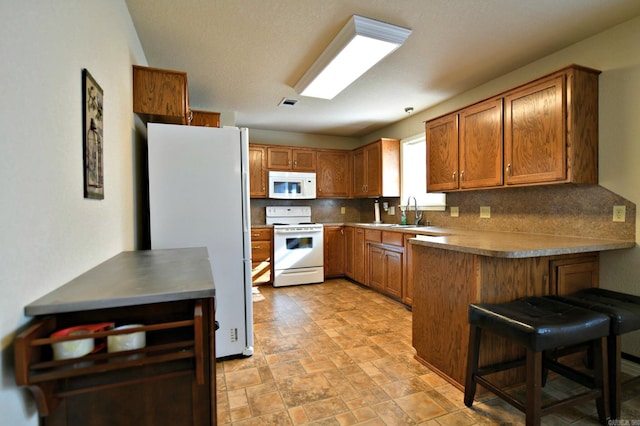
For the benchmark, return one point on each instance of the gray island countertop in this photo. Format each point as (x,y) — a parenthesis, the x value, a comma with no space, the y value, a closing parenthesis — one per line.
(133,278)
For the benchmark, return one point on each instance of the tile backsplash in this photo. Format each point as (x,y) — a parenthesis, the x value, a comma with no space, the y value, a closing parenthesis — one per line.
(573,210)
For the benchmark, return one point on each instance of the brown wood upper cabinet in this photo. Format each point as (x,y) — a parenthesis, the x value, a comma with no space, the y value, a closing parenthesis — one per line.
(481,145)
(160,95)
(332,174)
(442,153)
(204,118)
(287,158)
(376,169)
(548,128)
(258,171)
(552,129)
(464,149)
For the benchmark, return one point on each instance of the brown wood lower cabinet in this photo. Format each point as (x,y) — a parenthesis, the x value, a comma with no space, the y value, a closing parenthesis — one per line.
(169,382)
(571,274)
(380,260)
(407,278)
(376,270)
(354,253)
(385,269)
(261,256)
(334,249)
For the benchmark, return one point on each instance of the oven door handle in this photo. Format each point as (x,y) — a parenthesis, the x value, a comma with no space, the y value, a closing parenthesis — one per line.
(297,231)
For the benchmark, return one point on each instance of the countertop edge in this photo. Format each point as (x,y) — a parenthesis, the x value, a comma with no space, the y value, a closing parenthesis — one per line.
(495,243)
(439,243)
(36,310)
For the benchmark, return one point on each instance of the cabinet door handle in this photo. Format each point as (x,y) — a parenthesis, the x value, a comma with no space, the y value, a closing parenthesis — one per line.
(507,171)
(462,175)
(295,163)
(453,177)
(256,247)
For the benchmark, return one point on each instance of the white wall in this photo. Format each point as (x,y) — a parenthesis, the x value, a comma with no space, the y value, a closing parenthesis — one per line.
(614,52)
(272,137)
(49,233)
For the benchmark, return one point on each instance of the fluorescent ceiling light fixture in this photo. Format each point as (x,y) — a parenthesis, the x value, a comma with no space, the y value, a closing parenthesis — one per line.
(360,44)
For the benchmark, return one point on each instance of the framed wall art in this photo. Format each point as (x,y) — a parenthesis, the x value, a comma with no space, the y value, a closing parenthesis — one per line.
(93,144)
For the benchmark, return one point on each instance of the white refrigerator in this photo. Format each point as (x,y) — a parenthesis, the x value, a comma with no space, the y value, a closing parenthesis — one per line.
(199,197)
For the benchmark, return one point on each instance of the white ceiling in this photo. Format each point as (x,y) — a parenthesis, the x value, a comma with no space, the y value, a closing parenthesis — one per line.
(244,56)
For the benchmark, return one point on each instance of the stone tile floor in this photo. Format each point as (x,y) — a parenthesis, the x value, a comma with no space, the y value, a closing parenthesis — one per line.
(340,354)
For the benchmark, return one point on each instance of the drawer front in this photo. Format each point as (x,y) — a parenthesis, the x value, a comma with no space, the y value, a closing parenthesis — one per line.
(373,235)
(393,238)
(261,234)
(260,250)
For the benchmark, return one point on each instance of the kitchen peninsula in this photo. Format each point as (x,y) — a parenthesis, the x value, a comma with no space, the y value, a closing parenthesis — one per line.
(166,294)
(451,271)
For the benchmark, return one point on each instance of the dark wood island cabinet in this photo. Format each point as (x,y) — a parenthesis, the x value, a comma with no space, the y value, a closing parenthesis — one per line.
(168,295)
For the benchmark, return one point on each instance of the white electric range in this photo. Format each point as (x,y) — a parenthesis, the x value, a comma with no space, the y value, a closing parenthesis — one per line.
(298,246)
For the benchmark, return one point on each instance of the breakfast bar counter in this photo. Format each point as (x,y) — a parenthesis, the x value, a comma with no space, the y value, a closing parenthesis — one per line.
(452,268)
(513,244)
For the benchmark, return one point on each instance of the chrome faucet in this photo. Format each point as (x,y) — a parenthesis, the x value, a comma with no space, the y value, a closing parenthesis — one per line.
(415,203)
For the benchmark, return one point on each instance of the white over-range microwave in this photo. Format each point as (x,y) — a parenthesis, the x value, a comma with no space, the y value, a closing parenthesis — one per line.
(292,185)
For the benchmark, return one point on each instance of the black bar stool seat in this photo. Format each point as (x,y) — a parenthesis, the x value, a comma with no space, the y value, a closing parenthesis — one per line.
(539,324)
(624,312)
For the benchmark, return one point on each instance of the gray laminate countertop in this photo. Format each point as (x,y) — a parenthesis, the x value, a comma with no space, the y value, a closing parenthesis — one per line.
(513,244)
(133,278)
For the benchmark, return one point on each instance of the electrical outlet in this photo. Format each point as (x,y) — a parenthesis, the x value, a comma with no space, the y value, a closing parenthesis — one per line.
(455,211)
(392,210)
(619,213)
(485,212)
(343,210)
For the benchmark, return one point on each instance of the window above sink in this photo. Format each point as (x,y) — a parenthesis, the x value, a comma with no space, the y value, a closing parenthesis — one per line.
(413,153)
